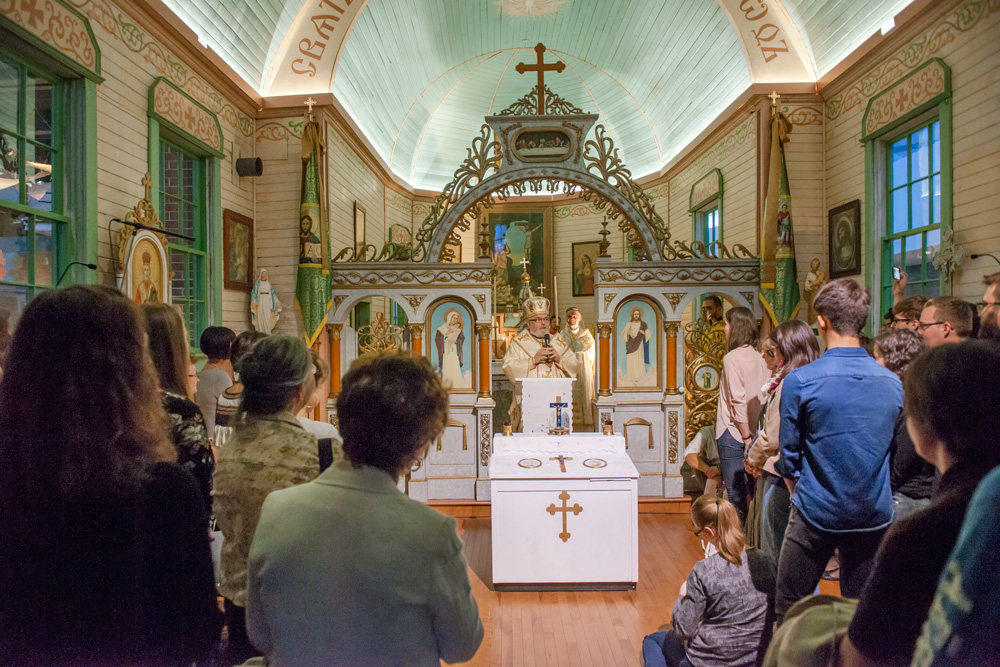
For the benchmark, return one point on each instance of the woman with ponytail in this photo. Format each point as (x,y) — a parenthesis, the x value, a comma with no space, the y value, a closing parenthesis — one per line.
(268,450)
(724,612)
(793,345)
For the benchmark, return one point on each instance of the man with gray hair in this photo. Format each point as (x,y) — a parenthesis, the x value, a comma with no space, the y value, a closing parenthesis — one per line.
(580,341)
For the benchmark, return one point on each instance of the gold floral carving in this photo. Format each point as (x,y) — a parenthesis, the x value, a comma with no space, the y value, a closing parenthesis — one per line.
(144,214)
(671,329)
(604,329)
(183,112)
(919,87)
(414,299)
(704,346)
(415,276)
(481,298)
(416,331)
(484,439)
(673,298)
(58,26)
(608,298)
(742,274)
(966,17)
(672,426)
(120,26)
(483,330)
(748,296)
(379,336)
(554,105)
(339,299)
(334,330)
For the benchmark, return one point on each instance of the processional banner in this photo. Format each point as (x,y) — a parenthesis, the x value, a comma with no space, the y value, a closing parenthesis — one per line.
(779,287)
(312,283)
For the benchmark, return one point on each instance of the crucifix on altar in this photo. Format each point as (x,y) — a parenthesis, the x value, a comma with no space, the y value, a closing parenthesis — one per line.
(541,67)
(558,423)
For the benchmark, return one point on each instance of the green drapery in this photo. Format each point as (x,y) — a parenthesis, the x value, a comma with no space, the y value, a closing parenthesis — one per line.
(779,286)
(312,283)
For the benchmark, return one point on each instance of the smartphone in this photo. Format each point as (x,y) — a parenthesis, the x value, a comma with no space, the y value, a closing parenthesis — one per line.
(897,273)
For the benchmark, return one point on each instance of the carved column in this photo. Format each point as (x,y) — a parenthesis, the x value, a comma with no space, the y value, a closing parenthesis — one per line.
(671,328)
(604,331)
(416,338)
(333,330)
(485,376)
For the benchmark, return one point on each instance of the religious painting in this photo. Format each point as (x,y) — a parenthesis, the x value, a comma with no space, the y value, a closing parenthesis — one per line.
(237,253)
(845,240)
(521,236)
(146,277)
(542,145)
(359,229)
(449,338)
(584,258)
(637,346)
(707,377)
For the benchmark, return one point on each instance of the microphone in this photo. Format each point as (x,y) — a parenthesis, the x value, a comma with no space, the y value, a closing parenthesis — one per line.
(93,267)
(547,340)
(984,254)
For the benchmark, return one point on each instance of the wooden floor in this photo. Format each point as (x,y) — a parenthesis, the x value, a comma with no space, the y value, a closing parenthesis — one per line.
(587,628)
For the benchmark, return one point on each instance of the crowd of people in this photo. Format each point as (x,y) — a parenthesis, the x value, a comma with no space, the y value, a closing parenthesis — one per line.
(880,454)
(883,459)
(111,501)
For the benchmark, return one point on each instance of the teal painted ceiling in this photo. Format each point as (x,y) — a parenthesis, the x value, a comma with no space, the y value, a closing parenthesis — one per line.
(418,76)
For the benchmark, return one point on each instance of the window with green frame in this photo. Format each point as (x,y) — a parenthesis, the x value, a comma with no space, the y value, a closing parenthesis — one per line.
(31,181)
(913,210)
(183,210)
(708,225)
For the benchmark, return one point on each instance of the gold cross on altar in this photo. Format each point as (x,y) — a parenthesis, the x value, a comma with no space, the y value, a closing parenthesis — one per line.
(565,509)
(541,68)
(562,461)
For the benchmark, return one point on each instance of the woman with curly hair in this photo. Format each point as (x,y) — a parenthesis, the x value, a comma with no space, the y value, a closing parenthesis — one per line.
(104,552)
(911,478)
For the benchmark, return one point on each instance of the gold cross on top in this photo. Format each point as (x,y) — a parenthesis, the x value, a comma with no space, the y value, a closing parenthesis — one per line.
(774,98)
(541,68)
(310,103)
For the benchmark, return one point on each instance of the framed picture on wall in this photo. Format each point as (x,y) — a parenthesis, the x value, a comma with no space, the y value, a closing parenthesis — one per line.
(359,228)
(237,254)
(521,251)
(450,344)
(845,240)
(584,256)
(637,346)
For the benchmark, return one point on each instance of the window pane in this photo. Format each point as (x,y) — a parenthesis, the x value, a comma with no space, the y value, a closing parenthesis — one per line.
(171,171)
(13,301)
(936,147)
(897,253)
(898,164)
(935,199)
(39,111)
(38,172)
(187,182)
(8,96)
(900,211)
(187,278)
(919,204)
(932,289)
(920,154)
(13,247)
(9,167)
(913,256)
(933,245)
(187,221)
(45,252)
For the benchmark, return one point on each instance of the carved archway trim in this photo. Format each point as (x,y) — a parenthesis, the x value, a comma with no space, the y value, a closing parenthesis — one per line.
(481,191)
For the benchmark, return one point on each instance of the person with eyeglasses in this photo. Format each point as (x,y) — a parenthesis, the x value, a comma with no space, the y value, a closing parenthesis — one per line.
(906,313)
(946,319)
(989,308)
(530,355)
(724,610)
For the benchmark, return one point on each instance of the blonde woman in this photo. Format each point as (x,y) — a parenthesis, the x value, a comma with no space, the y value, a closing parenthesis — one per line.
(724,610)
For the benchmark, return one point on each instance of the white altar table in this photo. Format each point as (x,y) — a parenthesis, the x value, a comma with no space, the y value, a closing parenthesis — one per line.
(564,513)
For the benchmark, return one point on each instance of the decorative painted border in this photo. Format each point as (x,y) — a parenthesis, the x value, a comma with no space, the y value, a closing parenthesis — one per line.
(122,27)
(921,89)
(705,189)
(275,131)
(55,27)
(963,19)
(172,106)
(803,116)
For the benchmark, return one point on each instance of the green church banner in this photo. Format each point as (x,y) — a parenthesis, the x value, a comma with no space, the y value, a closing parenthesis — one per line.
(779,287)
(312,283)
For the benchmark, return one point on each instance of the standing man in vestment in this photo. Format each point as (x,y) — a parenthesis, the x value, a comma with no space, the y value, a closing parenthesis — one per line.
(580,341)
(529,357)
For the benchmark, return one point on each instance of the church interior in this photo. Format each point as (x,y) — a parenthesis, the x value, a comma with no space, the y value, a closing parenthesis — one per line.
(457,180)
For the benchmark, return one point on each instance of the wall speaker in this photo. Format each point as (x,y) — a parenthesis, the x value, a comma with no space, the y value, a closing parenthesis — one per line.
(249,166)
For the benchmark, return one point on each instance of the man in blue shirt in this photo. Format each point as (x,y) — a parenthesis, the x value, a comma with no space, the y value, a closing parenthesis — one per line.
(837,418)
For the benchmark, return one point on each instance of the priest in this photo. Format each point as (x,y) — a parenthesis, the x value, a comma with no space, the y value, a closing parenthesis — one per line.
(580,341)
(534,353)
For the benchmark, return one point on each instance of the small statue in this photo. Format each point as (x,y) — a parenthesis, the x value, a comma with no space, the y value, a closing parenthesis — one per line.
(265,308)
(815,279)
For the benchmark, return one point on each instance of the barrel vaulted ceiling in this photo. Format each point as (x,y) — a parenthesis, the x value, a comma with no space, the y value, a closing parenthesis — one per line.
(418,76)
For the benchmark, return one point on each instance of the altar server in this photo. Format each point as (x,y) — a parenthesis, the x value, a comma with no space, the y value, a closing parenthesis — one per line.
(581,342)
(533,353)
